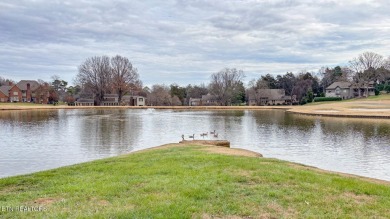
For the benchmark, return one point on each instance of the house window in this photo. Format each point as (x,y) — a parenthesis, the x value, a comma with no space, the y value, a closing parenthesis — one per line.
(141,99)
(337,90)
(16,93)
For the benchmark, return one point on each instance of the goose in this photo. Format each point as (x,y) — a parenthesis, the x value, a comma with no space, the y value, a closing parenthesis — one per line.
(216,135)
(212,132)
(192,136)
(204,134)
(182,136)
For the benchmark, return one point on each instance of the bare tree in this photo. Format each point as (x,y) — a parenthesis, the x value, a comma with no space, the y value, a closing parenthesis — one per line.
(224,84)
(124,76)
(95,75)
(364,67)
(366,61)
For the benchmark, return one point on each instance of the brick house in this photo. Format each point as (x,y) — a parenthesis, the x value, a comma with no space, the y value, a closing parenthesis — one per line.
(4,93)
(28,91)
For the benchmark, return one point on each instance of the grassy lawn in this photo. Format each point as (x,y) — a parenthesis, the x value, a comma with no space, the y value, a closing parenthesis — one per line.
(188,182)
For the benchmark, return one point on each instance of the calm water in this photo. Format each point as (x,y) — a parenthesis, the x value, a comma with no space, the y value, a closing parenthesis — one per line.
(37,140)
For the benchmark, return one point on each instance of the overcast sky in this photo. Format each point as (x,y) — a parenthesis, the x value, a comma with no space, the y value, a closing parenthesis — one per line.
(186,41)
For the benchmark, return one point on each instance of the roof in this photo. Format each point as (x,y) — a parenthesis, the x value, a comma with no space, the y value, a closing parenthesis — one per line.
(111,95)
(82,100)
(5,90)
(271,94)
(340,84)
(208,97)
(22,85)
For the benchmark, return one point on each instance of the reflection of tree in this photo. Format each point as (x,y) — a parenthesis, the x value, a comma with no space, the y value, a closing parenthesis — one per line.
(283,120)
(109,131)
(368,128)
(31,116)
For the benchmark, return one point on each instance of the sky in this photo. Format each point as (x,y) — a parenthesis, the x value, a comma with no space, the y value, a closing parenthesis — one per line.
(184,42)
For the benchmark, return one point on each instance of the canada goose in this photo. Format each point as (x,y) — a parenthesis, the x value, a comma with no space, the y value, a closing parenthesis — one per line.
(212,132)
(204,134)
(182,136)
(192,136)
(216,135)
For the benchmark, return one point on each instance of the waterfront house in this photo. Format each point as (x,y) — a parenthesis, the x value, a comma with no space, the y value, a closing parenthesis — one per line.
(209,100)
(347,90)
(4,93)
(25,91)
(264,97)
(195,102)
(127,100)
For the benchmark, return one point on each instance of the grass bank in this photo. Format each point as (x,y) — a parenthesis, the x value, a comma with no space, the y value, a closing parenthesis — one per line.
(371,107)
(191,181)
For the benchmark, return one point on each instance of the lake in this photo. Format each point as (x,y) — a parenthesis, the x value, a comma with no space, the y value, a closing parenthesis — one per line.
(37,140)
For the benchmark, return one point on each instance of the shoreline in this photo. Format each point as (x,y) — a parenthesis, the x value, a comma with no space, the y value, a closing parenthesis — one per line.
(363,108)
(248,153)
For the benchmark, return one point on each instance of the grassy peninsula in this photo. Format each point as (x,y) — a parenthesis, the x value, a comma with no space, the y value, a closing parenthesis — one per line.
(192,181)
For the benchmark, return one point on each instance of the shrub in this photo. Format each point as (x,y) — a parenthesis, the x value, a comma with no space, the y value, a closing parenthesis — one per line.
(321,99)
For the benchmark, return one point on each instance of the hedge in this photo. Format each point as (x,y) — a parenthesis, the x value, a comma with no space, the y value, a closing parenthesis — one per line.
(320,99)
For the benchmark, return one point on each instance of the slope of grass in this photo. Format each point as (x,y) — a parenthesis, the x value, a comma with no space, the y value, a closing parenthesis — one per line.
(186,182)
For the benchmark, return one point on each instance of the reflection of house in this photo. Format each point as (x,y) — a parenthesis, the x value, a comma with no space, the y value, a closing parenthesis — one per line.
(209,100)
(347,90)
(24,91)
(268,97)
(195,102)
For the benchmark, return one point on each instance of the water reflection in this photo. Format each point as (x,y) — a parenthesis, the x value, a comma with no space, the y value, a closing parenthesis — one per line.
(43,139)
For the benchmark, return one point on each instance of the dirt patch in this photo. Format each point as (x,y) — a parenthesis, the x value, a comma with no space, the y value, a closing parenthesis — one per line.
(358,199)
(231,151)
(223,143)
(326,111)
(45,201)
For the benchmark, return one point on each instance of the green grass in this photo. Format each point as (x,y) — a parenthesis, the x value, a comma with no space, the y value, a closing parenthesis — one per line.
(185,182)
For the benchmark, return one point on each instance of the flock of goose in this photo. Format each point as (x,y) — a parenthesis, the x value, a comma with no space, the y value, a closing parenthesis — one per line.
(212,133)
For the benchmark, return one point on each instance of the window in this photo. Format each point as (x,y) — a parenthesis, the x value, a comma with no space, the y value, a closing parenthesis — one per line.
(337,90)
(141,99)
(16,93)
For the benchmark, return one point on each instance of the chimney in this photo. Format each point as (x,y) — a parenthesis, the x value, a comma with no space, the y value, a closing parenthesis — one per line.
(10,83)
(28,93)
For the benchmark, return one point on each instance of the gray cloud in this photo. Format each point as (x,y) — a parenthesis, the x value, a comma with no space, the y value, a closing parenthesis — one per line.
(185,41)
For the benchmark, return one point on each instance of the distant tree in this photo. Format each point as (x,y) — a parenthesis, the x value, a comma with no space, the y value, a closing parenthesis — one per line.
(224,85)
(287,82)
(196,91)
(5,81)
(59,86)
(125,77)
(239,94)
(95,76)
(179,92)
(267,81)
(365,67)
(160,96)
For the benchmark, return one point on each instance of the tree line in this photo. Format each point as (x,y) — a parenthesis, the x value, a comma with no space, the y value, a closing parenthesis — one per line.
(100,75)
